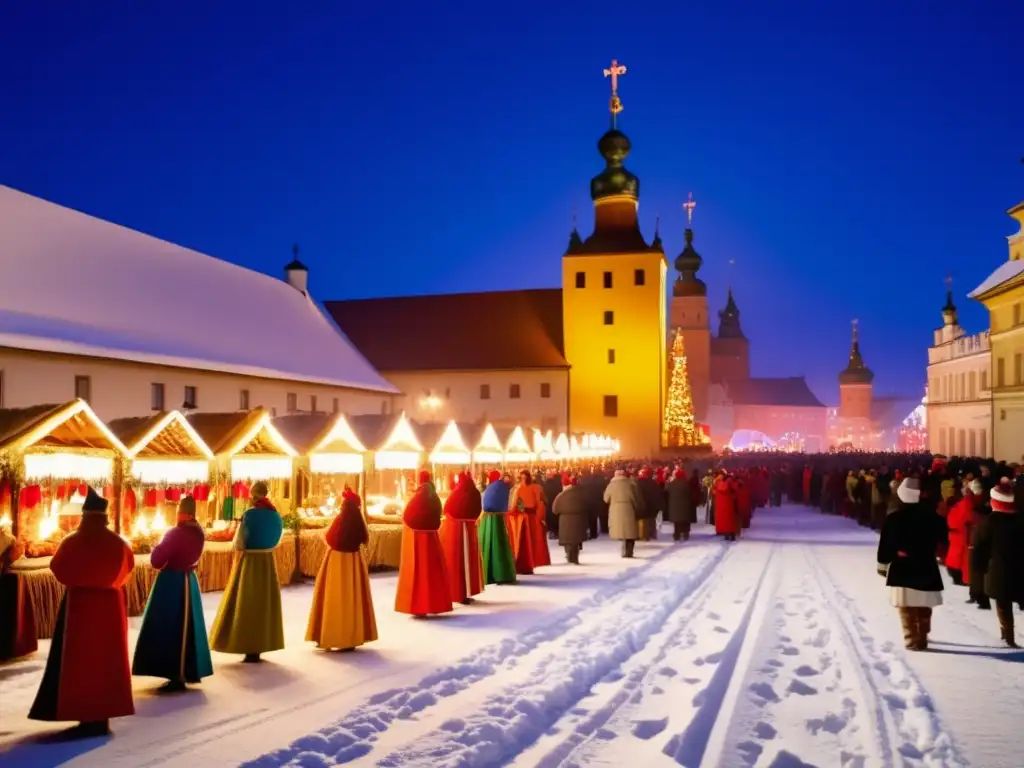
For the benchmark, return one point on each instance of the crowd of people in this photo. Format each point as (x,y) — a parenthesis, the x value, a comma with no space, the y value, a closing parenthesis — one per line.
(495,529)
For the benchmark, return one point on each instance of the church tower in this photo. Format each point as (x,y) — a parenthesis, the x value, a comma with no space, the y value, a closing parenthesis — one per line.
(613,308)
(855,384)
(731,348)
(950,329)
(688,313)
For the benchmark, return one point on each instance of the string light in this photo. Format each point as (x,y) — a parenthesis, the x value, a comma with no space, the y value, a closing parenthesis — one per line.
(680,427)
(171,471)
(68,465)
(261,468)
(451,448)
(335,463)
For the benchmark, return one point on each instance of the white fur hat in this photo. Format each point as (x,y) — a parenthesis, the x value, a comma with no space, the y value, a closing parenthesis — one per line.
(909,491)
(1002,495)
(976,487)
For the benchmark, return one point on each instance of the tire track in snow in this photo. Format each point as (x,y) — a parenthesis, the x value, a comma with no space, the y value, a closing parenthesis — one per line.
(804,691)
(356,735)
(908,723)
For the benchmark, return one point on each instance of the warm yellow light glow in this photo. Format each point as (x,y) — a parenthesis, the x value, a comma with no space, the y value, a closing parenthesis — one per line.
(336,463)
(431,402)
(168,419)
(47,527)
(489,449)
(342,432)
(574,447)
(78,407)
(171,471)
(562,445)
(402,437)
(70,466)
(5,521)
(450,448)
(261,467)
(263,422)
(397,459)
(517,449)
(159,524)
(220,525)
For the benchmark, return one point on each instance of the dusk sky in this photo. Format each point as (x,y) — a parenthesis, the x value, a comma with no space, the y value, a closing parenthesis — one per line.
(845,157)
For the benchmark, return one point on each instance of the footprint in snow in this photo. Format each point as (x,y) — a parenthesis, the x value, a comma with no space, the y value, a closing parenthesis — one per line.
(648,729)
(750,751)
(788,760)
(801,688)
(775,663)
(606,735)
(722,630)
(765,731)
(821,639)
(831,723)
(691,680)
(785,639)
(713,658)
(453,725)
(713,616)
(789,650)
(764,691)
(417,704)
(667,672)
(805,670)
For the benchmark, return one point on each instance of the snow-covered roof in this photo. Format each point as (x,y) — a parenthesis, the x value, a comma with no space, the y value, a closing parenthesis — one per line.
(1006,271)
(74,284)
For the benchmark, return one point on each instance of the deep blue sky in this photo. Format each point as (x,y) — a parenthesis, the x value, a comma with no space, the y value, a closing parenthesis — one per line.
(845,154)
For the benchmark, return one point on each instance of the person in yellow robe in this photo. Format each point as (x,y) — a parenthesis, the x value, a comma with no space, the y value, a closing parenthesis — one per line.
(342,613)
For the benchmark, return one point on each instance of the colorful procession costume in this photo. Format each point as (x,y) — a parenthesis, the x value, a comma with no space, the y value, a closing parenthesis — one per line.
(249,618)
(342,613)
(172,642)
(422,576)
(88,677)
(460,541)
(499,566)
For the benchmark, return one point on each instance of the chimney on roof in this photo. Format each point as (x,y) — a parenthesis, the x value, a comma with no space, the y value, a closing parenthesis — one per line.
(295,273)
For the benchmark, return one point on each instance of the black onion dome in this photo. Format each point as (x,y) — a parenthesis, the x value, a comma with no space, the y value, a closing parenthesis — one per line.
(614,180)
(687,263)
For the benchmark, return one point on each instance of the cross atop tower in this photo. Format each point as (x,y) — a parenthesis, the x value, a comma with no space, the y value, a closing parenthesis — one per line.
(688,206)
(949,282)
(615,103)
(855,323)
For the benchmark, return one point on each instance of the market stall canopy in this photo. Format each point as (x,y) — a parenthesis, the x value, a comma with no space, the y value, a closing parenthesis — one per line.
(517,448)
(392,439)
(327,439)
(543,445)
(165,448)
(256,448)
(449,447)
(68,441)
(488,449)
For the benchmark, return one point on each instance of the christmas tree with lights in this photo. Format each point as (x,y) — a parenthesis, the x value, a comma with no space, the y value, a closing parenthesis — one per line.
(680,427)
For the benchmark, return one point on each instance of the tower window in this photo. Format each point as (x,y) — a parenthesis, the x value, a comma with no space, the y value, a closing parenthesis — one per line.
(485,391)
(639,277)
(243,400)
(607,279)
(513,391)
(581,279)
(611,357)
(156,396)
(545,390)
(609,317)
(83,388)
(291,402)
(611,406)
(190,397)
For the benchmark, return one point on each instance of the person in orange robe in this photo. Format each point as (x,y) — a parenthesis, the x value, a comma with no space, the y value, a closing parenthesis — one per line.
(88,675)
(727,521)
(422,575)
(529,496)
(460,541)
(519,535)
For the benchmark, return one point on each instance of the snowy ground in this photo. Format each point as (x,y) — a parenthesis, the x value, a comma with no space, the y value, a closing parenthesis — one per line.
(778,651)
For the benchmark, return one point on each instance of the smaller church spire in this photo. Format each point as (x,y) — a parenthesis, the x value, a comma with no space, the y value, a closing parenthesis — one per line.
(856,372)
(575,241)
(949,311)
(689,261)
(729,320)
(657,232)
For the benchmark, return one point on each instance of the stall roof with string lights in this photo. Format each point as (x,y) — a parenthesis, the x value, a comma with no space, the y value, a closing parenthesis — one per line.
(165,448)
(249,441)
(326,440)
(392,439)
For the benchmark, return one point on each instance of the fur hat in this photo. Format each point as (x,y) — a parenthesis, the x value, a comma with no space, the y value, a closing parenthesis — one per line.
(423,477)
(259,490)
(1001,496)
(493,476)
(909,491)
(976,487)
(94,504)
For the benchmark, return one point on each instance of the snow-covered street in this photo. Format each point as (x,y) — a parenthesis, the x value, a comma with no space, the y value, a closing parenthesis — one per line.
(780,650)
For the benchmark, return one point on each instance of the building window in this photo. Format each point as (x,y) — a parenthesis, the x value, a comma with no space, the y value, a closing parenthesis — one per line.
(513,391)
(609,317)
(545,389)
(639,277)
(1001,372)
(485,391)
(1018,367)
(291,402)
(1016,314)
(984,380)
(581,279)
(611,406)
(243,400)
(447,393)
(156,396)
(607,279)
(611,357)
(312,403)
(972,387)
(336,405)
(83,388)
(942,441)
(972,444)
(190,398)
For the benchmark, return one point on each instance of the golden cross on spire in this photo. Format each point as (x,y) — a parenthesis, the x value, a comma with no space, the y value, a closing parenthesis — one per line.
(615,103)
(688,206)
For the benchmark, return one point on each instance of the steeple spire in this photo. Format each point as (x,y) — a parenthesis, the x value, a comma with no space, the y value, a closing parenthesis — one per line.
(729,320)
(575,241)
(689,261)
(949,311)
(856,372)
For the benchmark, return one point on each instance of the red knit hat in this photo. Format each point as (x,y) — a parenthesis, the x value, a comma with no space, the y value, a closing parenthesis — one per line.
(679,473)
(493,476)
(1001,496)
(424,477)
(574,481)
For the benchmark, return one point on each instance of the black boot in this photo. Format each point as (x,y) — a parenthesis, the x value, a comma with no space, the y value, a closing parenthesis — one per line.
(252,658)
(172,686)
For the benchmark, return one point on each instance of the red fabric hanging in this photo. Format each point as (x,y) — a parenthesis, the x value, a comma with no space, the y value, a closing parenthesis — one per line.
(240,490)
(30,496)
(130,501)
(201,492)
(172,494)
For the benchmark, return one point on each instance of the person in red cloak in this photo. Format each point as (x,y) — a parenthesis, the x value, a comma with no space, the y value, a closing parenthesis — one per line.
(460,541)
(88,676)
(743,500)
(959,522)
(726,507)
(422,576)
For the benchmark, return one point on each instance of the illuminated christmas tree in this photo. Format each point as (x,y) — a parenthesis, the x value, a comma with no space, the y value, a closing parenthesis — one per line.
(680,428)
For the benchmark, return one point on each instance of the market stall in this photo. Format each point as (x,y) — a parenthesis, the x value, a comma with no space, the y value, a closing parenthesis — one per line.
(49,456)
(448,455)
(518,452)
(488,450)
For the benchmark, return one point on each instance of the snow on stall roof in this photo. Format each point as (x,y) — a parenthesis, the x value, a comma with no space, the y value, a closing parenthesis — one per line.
(74,284)
(1006,271)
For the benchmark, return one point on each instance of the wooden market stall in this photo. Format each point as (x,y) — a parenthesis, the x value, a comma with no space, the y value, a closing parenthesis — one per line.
(518,452)
(488,449)
(49,456)
(447,453)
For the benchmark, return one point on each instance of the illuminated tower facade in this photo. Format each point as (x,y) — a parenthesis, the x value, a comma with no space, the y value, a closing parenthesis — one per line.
(613,308)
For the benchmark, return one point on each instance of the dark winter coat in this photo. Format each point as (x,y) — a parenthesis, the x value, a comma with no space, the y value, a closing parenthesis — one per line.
(907,546)
(999,551)
(654,497)
(571,507)
(680,507)
(552,486)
